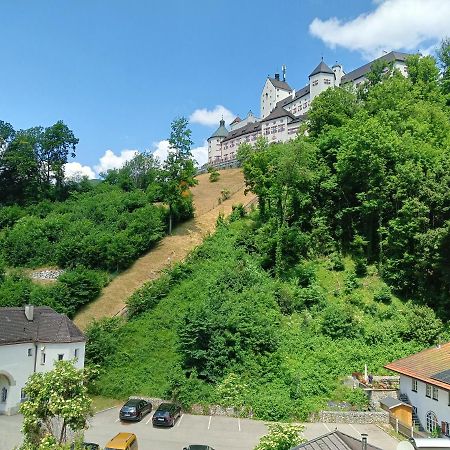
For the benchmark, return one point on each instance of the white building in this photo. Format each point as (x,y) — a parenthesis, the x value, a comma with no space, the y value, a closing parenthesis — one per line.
(284,108)
(31,340)
(425,385)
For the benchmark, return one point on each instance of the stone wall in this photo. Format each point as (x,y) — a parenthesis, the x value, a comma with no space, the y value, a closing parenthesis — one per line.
(375,395)
(354,417)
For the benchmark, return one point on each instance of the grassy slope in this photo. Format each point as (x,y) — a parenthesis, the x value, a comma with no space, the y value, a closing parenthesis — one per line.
(307,362)
(172,248)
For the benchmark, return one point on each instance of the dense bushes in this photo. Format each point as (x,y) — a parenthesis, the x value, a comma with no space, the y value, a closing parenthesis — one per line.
(219,322)
(105,229)
(73,289)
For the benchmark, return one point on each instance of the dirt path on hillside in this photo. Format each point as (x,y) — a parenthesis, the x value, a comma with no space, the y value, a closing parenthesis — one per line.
(172,248)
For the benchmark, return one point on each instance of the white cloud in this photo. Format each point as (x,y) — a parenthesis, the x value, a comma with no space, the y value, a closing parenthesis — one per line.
(75,171)
(211,117)
(112,161)
(392,25)
(200,154)
(161,149)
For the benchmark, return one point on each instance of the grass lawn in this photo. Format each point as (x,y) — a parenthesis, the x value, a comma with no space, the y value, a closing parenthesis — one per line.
(100,403)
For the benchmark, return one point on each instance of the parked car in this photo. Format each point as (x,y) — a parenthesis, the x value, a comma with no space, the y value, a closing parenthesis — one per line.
(166,414)
(122,441)
(135,409)
(198,447)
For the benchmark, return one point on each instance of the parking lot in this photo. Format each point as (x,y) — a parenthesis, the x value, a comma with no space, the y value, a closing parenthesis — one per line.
(222,433)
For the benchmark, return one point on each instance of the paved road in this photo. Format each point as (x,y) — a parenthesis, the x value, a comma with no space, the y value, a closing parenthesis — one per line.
(222,433)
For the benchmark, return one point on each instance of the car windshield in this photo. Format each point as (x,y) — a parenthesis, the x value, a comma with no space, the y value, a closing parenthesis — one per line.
(128,408)
(162,413)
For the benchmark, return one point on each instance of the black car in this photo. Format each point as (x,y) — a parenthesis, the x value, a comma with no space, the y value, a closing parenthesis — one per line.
(135,409)
(198,447)
(166,414)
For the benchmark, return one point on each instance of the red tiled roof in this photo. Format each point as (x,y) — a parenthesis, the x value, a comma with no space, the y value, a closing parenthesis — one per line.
(425,364)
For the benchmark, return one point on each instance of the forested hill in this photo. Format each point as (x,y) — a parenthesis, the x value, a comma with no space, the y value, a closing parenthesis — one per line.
(344,263)
(372,179)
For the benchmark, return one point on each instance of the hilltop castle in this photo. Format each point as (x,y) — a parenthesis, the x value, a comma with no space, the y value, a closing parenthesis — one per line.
(284,108)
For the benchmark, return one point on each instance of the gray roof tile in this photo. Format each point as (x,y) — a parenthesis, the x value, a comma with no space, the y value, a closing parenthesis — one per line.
(280,84)
(278,112)
(335,440)
(363,70)
(46,326)
(321,68)
(249,128)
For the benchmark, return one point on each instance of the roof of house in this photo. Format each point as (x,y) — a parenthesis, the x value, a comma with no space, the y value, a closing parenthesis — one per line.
(280,84)
(47,326)
(321,68)
(298,94)
(249,128)
(335,440)
(429,365)
(363,70)
(392,402)
(278,112)
(221,131)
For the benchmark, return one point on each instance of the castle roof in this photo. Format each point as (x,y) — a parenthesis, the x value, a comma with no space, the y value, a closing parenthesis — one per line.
(247,129)
(321,68)
(363,70)
(280,84)
(298,94)
(46,326)
(236,120)
(278,112)
(221,131)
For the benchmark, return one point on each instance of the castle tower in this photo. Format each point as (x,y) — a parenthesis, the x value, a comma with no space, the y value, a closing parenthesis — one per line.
(274,90)
(215,142)
(321,78)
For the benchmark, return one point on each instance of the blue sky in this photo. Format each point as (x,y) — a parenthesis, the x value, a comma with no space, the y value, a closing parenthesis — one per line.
(118,72)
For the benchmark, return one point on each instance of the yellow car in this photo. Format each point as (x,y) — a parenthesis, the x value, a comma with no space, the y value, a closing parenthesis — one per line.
(122,441)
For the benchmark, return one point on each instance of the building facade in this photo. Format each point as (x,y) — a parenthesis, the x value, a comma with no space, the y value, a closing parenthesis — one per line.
(425,385)
(31,340)
(283,108)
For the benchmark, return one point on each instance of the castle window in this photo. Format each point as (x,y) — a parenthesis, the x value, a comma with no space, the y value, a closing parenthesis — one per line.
(315,82)
(327,81)
(30,352)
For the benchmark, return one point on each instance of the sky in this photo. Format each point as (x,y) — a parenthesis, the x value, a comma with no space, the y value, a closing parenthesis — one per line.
(119,72)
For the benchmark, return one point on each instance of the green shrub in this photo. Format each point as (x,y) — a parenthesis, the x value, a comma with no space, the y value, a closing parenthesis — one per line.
(338,322)
(214,174)
(351,282)
(360,267)
(148,296)
(281,436)
(383,295)
(102,340)
(80,286)
(337,262)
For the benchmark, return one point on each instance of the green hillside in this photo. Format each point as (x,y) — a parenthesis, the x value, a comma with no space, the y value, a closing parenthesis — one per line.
(345,262)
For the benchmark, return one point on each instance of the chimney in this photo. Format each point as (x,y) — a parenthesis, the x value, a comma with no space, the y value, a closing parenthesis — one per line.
(363,441)
(277,76)
(29,312)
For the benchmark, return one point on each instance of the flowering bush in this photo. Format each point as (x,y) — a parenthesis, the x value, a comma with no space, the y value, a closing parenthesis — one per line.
(281,436)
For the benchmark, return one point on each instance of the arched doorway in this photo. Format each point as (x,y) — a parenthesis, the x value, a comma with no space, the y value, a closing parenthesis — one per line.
(432,422)
(6,381)
(4,391)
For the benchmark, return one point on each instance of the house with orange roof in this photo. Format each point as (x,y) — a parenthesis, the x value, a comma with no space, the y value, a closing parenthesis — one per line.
(425,385)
